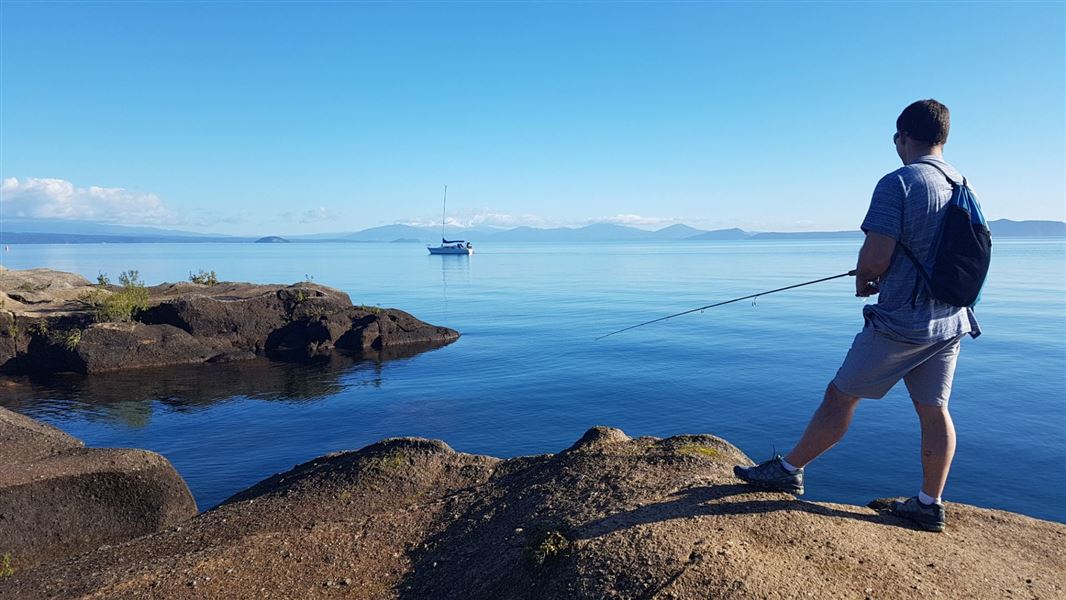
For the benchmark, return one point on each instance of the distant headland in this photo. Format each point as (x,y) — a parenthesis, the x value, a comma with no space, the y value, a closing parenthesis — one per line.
(44,231)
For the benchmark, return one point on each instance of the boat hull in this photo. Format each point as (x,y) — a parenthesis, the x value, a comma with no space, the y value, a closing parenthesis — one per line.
(450,250)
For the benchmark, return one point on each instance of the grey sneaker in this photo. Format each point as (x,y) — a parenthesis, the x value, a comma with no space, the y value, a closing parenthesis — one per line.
(929,517)
(772,475)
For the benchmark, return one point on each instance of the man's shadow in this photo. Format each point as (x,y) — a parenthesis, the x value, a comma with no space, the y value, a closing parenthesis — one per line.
(705,500)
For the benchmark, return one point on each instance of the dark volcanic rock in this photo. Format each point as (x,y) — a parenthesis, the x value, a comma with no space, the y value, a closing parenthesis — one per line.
(12,343)
(245,315)
(58,499)
(611,517)
(191,323)
(112,346)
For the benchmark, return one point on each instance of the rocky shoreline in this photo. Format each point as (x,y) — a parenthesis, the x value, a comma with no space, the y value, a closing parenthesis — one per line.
(51,321)
(609,517)
(408,518)
(59,499)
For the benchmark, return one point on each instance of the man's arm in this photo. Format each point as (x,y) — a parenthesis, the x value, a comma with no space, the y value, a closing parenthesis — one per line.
(874,259)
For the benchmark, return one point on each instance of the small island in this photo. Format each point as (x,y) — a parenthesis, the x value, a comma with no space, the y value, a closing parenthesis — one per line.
(52,321)
(272,239)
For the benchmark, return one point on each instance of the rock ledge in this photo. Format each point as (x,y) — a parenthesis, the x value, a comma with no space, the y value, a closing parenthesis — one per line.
(612,517)
(47,326)
(59,499)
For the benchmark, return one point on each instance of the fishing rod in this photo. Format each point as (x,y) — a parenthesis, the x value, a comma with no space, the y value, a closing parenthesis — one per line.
(848,274)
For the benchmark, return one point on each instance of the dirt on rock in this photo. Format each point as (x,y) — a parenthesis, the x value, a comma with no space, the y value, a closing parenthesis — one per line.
(610,517)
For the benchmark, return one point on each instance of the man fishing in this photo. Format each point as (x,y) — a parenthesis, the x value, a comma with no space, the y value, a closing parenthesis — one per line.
(908,334)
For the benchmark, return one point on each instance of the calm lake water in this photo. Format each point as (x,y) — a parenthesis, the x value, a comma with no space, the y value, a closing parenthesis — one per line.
(527,376)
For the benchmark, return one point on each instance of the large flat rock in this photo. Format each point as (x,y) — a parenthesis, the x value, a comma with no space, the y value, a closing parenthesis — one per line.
(59,499)
(610,517)
(40,290)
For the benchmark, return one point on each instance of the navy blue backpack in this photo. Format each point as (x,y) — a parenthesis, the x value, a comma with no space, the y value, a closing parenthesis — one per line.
(958,260)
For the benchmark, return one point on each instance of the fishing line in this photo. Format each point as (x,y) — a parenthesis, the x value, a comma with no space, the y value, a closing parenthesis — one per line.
(752,297)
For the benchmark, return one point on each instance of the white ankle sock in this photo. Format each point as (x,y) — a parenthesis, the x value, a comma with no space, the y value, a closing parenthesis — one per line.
(926,499)
(788,466)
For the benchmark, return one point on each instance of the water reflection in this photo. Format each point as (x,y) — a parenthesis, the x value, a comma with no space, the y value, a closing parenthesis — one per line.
(455,267)
(130,397)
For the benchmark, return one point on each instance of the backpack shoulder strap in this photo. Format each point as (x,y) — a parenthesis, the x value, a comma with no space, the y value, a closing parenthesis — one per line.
(921,278)
(953,183)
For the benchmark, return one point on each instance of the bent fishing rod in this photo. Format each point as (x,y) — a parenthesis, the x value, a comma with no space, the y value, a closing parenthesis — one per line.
(848,274)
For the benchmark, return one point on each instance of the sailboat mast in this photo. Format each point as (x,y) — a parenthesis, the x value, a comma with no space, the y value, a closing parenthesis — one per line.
(443,213)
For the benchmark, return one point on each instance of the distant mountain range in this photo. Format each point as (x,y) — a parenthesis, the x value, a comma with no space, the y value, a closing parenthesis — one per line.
(39,231)
(60,231)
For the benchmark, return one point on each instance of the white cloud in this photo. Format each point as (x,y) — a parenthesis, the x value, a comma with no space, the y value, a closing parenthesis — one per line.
(638,221)
(483,218)
(314,215)
(34,198)
(502,220)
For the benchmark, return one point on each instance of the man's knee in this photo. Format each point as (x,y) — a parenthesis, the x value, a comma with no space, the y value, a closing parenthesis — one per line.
(835,396)
(930,411)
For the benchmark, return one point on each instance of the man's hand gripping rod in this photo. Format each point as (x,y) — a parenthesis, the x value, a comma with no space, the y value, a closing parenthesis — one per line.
(848,274)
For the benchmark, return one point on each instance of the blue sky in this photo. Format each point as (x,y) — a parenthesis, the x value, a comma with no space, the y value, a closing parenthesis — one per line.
(263,118)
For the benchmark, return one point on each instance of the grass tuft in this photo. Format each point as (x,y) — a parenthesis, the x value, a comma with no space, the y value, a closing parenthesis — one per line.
(546,545)
(73,338)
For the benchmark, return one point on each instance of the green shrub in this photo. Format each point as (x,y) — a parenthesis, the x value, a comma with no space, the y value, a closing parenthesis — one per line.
(72,340)
(69,338)
(204,277)
(124,304)
(545,545)
(6,570)
(119,306)
(103,280)
(130,278)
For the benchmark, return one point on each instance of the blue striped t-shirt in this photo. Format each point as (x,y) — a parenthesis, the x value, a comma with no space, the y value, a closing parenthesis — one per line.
(907,206)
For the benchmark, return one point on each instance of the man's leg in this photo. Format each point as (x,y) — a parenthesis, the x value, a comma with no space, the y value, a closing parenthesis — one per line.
(828,425)
(938,447)
(861,369)
(825,429)
(930,387)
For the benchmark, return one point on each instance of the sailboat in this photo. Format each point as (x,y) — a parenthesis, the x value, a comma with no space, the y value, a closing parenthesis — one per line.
(449,246)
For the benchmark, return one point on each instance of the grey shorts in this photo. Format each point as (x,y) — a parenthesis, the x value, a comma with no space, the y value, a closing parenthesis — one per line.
(875,363)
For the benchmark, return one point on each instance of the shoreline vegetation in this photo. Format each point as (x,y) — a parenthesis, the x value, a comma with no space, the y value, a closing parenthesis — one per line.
(52,321)
(609,517)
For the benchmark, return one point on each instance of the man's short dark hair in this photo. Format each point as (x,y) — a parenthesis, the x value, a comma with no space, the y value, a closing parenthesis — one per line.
(926,121)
